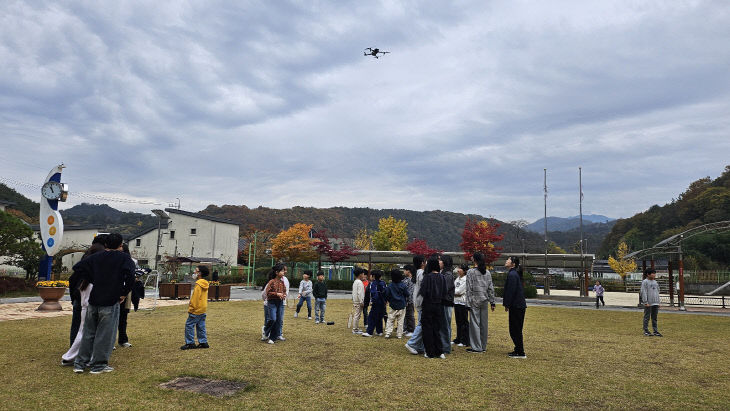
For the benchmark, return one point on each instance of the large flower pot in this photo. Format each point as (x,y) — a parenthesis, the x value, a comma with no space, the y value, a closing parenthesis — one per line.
(175,290)
(50,296)
(219,292)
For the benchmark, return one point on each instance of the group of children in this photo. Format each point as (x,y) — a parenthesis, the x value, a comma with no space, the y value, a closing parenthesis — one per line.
(307,291)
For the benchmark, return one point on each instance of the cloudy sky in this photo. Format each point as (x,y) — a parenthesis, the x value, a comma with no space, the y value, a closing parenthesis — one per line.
(273,103)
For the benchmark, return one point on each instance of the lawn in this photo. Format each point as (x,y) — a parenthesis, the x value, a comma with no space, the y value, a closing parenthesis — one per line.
(576,359)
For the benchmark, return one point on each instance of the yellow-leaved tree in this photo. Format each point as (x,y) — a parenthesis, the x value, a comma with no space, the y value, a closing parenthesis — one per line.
(392,234)
(619,265)
(363,240)
(294,245)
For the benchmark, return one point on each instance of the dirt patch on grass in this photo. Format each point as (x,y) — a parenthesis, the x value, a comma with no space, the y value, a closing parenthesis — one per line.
(216,388)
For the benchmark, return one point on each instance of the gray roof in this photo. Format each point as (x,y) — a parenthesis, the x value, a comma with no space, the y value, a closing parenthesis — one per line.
(201,216)
(163,224)
(6,203)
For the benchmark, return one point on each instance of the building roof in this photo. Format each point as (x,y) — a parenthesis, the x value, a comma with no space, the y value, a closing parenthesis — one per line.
(210,260)
(163,224)
(201,216)
(7,203)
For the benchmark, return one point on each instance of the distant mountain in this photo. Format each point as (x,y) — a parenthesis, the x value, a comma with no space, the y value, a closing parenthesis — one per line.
(566,223)
(29,208)
(109,217)
(593,236)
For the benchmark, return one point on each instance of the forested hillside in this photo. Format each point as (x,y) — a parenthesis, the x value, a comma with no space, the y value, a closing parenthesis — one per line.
(704,201)
(28,208)
(441,229)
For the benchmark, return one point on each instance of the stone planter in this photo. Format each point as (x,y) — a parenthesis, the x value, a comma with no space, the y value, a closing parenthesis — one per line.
(175,290)
(50,296)
(219,292)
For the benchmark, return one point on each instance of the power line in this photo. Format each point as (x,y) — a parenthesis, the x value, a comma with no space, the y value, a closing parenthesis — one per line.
(16,183)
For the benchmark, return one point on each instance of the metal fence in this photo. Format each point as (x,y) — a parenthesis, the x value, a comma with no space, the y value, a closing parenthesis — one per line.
(704,300)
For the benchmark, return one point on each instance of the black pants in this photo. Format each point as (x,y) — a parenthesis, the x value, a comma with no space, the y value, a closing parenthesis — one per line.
(375,322)
(123,312)
(433,321)
(599,297)
(410,318)
(462,324)
(75,320)
(516,321)
(365,315)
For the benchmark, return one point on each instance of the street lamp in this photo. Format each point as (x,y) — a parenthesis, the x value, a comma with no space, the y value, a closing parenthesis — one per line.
(161,215)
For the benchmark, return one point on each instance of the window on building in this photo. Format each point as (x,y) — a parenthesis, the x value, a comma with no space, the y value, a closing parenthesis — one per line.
(172,234)
(138,242)
(193,231)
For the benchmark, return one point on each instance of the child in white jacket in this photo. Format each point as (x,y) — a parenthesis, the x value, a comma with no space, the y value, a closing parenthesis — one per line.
(358,299)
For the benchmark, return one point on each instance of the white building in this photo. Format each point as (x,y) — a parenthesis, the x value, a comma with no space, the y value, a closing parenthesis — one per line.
(187,234)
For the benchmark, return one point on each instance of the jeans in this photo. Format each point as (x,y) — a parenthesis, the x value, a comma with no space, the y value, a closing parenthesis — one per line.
(308,299)
(433,321)
(197,322)
(651,311)
(375,319)
(75,320)
(273,324)
(445,331)
(479,326)
(320,304)
(98,337)
(416,341)
(410,322)
(516,321)
(281,319)
(461,313)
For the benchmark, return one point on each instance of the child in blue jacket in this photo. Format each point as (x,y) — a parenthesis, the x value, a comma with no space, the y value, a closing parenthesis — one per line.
(397,296)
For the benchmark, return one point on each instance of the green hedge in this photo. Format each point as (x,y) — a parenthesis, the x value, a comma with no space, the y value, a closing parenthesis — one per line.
(530,291)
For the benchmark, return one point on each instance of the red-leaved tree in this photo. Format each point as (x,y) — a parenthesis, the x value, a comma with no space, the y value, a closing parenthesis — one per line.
(323,247)
(419,246)
(480,236)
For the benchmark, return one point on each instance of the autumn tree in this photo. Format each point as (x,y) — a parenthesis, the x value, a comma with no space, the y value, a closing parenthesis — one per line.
(334,253)
(620,265)
(260,241)
(480,236)
(419,246)
(294,245)
(392,234)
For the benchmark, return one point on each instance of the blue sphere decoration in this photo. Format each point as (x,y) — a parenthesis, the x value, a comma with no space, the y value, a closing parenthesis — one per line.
(50,242)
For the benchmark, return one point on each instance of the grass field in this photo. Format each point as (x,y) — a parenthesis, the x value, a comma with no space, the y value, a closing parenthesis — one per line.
(576,359)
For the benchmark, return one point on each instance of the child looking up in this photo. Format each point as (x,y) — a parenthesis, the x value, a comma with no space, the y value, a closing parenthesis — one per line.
(305,294)
(320,298)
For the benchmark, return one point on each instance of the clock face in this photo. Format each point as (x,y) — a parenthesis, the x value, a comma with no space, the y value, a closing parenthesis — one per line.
(52,190)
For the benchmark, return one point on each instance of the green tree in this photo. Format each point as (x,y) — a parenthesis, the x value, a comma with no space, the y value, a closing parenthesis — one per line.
(392,234)
(18,245)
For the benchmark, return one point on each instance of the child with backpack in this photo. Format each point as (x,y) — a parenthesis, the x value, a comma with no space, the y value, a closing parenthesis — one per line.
(377,304)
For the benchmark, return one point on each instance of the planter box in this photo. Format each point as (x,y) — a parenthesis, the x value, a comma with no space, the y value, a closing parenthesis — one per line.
(219,292)
(50,296)
(175,290)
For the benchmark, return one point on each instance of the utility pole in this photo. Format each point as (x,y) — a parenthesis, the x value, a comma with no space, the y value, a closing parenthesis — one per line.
(584,281)
(547,271)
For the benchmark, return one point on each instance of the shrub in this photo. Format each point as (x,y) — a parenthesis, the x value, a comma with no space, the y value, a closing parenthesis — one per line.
(530,291)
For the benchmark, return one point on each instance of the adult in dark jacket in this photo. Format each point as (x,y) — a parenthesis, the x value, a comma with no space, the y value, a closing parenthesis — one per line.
(377,304)
(433,289)
(514,303)
(112,274)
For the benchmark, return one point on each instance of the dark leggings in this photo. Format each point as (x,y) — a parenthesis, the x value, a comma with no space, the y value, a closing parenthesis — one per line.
(123,312)
(462,324)
(433,321)
(516,321)
(599,297)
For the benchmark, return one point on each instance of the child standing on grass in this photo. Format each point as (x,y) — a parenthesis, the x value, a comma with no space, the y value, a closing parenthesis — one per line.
(196,311)
(461,310)
(320,298)
(377,304)
(305,294)
(396,295)
(650,299)
(358,296)
(598,288)
(276,295)
(410,322)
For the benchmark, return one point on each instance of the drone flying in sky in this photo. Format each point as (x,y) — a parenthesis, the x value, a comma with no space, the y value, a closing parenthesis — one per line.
(374,52)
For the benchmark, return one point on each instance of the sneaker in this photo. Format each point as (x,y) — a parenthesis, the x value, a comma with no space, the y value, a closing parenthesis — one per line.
(647,334)
(68,363)
(103,370)
(114,348)
(188,347)
(296,315)
(269,342)
(78,370)
(452,343)
(658,334)
(411,349)
(203,345)
(521,356)
(460,345)
(264,337)
(356,332)
(426,355)
(387,336)
(126,345)
(281,338)
(316,321)
(309,318)
(442,356)
(400,336)
(379,334)
(366,335)
(408,334)
(469,350)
